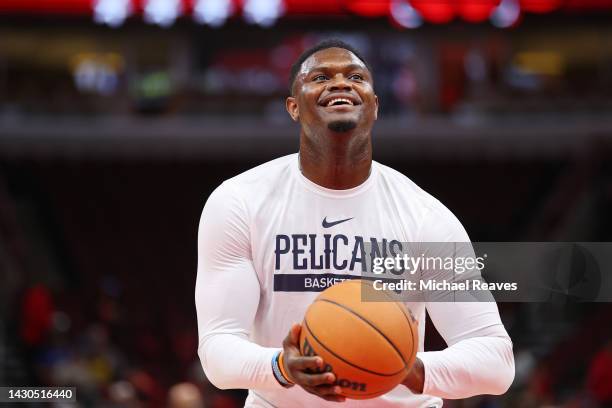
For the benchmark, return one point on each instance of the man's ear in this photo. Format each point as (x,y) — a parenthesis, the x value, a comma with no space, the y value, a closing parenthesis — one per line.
(292,108)
(376,110)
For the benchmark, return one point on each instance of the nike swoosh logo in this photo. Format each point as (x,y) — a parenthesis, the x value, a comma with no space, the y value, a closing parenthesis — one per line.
(332,223)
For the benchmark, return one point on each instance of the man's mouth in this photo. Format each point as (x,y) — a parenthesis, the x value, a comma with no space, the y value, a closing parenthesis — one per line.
(339,101)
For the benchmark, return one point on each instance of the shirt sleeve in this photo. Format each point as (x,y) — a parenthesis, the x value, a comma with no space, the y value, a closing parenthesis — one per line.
(227,297)
(479,357)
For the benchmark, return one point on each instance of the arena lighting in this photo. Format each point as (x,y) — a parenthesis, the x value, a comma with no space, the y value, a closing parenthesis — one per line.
(476,11)
(68,7)
(162,12)
(435,11)
(314,7)
(112,12)
(404,14)
(506,14)
(266,12)
(369,8)
(262,12)
(540,6)
(213,12)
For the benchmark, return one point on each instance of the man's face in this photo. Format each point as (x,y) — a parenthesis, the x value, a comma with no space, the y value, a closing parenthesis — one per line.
(333,90)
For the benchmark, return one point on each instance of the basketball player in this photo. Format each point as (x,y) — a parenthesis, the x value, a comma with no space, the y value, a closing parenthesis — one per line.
(271,238)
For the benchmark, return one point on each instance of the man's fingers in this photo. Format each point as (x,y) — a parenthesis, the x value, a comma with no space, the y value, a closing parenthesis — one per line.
(320,384)
(294,334)
(313,380)
(334,398)
(301,363)
(327,392)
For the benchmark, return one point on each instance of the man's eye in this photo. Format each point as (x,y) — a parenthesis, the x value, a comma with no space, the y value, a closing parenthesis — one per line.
(319,78)
(358,77)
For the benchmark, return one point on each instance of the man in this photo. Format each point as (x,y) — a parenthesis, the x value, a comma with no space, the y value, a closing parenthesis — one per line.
(267,234)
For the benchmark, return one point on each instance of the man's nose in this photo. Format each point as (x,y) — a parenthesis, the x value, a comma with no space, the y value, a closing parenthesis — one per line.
(340,83)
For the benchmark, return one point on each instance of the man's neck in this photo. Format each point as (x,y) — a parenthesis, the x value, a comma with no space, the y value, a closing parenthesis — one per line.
(337,166)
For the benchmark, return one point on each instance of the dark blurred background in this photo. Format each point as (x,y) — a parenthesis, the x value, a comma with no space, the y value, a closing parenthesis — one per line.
(119,117)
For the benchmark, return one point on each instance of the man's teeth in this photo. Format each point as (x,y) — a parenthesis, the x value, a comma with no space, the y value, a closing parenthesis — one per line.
(336,100)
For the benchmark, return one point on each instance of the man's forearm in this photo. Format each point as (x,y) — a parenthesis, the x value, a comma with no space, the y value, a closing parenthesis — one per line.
(478,365)
(232,361)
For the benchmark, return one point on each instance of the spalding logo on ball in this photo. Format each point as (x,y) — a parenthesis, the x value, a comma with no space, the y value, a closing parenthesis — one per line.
(369,346)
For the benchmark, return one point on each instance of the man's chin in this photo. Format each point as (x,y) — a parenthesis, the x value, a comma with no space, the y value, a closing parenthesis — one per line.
(342,126)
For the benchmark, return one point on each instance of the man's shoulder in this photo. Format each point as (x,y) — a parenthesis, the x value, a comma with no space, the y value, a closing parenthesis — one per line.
(437,222)
(261,177)
(401,185)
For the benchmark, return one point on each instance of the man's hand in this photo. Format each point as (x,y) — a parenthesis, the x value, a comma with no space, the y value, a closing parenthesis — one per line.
(415,380)
(295,365)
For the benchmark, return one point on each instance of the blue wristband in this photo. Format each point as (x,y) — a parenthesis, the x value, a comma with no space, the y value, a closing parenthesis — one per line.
(277,371)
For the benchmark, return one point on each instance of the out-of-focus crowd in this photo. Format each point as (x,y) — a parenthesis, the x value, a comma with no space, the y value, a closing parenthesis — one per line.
(57,353)
(108,375)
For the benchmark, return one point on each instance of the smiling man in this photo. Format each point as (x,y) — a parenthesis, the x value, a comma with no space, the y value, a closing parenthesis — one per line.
(271,238)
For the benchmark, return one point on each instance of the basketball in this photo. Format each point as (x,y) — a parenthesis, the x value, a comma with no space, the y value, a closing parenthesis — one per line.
(369,346)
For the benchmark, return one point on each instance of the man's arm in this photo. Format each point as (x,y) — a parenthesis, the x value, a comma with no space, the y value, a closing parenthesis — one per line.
(479,358)
(227,297)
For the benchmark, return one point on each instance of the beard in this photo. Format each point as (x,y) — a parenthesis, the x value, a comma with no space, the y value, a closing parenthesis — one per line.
(342,125)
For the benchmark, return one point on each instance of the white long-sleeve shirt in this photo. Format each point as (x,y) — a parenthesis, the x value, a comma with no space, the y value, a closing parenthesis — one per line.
(270,239)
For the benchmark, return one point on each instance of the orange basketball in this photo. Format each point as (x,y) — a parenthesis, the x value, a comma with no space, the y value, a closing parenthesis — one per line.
(369,346)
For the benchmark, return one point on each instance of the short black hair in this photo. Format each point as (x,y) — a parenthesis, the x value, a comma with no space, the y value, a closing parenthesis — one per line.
(331,43)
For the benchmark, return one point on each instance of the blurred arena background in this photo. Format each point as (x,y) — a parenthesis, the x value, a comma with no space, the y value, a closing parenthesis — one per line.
(119,117)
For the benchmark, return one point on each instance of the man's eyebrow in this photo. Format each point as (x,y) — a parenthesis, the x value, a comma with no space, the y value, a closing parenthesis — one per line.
(325,67)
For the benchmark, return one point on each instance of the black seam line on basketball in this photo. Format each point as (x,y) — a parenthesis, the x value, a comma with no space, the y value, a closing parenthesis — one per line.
(348,362)
(409,325)
(408,319)
(401,356)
